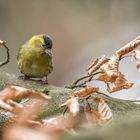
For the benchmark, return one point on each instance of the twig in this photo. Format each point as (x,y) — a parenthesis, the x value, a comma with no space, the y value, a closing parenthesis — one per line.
(132,100)
(76,86)
(8,56)
(65,110)
(75,83)
(84,77)
(101,93)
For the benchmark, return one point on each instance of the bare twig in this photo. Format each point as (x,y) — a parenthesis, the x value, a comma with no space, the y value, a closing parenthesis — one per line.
(8,54)
(101,93)
(85,77)
(83,84)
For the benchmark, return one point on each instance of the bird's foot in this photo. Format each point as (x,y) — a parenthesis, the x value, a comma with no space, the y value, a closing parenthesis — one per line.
(24,77)
(45,80)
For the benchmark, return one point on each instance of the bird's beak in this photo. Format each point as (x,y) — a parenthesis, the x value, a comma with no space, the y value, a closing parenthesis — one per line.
(48,51)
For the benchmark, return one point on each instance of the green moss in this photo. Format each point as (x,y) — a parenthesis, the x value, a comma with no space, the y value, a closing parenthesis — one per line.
(45,90)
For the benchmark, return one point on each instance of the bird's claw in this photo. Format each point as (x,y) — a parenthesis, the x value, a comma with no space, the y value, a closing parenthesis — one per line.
(23,77)
(45,80)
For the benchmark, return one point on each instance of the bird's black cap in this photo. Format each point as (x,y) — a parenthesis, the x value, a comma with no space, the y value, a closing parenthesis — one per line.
(48,41)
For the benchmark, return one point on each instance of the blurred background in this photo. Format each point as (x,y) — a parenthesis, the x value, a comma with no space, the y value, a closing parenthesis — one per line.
(81,30)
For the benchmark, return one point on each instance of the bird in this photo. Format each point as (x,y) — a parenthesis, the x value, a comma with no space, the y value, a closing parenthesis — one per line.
(34,58)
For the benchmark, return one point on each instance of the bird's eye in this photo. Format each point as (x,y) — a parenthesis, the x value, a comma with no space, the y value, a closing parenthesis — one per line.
(43,45)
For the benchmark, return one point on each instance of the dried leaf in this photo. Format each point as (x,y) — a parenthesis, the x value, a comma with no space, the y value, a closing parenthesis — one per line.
(73,105)
(129,47)
(104,111)
(93,63)
(24,133)
(120,84)
(84,92)
(100,117)
(55,124)
(105,78)
(24,126)
(6,106)
(60,124)
(111,67)
(16,107)
(137,58)
(96,64)
(15,92)
(51,129)
(92,116)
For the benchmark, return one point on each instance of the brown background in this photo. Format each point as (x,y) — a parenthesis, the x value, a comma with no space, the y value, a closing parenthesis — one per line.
(81,30)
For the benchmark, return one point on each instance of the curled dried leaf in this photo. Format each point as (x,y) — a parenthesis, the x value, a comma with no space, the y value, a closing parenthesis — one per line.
(129,47)
(93,63)
(104,111)
(16,108)
(73,105)
(6,106)
(137,58)
(15,92)
(111,67)
(55,124)
(25,127)
(84,92)
(100,117)
(96,64)
(105,78)
(92,116)
(120,84)
(24,133)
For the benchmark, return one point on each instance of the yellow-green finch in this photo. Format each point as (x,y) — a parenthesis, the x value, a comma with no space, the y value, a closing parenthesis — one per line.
(35,58)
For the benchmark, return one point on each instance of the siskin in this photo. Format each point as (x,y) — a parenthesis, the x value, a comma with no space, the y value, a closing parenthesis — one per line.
(35,57)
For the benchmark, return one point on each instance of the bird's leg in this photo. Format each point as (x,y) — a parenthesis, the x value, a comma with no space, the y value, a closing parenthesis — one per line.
(24,77)
(44,80)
